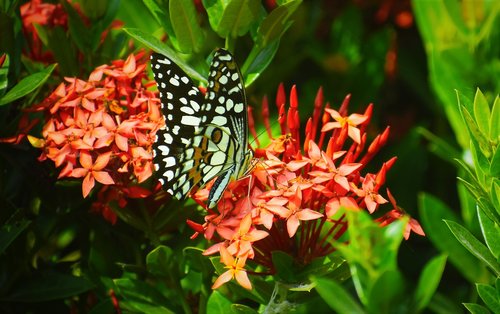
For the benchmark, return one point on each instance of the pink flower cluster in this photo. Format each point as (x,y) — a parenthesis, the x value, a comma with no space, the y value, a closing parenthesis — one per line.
(295,198)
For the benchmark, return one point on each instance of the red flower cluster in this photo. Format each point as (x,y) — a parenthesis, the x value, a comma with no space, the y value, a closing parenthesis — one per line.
(102,129)
(294,199)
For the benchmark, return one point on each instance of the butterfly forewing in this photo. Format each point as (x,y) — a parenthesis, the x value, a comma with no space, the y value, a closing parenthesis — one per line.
(205,137)
(181,104)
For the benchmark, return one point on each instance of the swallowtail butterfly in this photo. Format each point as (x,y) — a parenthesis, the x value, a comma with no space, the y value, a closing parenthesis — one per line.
(205,136)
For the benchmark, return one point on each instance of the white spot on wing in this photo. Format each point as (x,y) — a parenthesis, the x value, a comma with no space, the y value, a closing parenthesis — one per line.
(219,120)
(187,110)
(190,120)
(169,161)
(174,81)
(239,107)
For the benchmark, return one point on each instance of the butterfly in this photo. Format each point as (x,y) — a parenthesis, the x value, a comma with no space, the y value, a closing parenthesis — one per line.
(205,135)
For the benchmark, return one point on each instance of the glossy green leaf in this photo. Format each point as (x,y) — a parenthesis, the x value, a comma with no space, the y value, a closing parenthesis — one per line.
(232,18)
(37,289)
(432,212)
(184,21)
(162,17)
(9,232)
(27,85)
(495,117)
(491,233)
(476,308)
(337,298)
(276,23)
(482,112)
(476,134)
(495,163)
(156,45)
(473,245)
(490,297)
(495,194)
(429,281)
(4,71)
(218,303)
(257,61)
(158,261)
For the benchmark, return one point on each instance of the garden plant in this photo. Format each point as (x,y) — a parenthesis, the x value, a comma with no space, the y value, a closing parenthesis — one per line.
(240,156)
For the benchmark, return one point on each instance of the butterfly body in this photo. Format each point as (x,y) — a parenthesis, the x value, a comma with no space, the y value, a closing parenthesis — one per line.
(205,136)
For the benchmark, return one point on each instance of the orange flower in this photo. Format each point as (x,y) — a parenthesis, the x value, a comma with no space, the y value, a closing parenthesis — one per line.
(112,114)
(297,195)
(235,270)
(92,171)
(350,122)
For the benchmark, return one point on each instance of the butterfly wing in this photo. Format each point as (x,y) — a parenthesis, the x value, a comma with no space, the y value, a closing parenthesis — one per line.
(173,149)
(201,142)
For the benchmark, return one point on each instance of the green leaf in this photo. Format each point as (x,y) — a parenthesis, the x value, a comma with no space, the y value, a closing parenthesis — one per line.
(495,194)
(429,281)
(218,303)
(476,308)
(482,112)
(257,61)
(490,297)
(9,232)
(473,245)
(386,291)
(159,260)
(475,132)
(491,233)
(185,25)
(156,45)
(495,117)
(4,71)
(27,85)
(432,212)
(495,163)
(276,23)
(337,297)
(37,289)
(242,309)
(161,16)
(232,18)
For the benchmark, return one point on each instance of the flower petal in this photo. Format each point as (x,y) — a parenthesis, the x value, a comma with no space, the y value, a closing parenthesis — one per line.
(225,277)
(103,177)
(102,161)
(242,278)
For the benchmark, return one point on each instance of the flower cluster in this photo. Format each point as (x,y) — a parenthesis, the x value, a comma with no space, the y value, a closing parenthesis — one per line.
(102,129)
(294,198)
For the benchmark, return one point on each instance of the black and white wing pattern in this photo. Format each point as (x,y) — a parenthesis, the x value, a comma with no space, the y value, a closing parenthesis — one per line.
(204,136)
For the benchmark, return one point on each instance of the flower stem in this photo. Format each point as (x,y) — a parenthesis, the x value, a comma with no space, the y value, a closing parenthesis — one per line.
(278,302)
